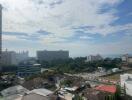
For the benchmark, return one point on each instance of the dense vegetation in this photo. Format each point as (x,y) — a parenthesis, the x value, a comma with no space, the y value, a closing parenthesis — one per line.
(79,64)
(73,65)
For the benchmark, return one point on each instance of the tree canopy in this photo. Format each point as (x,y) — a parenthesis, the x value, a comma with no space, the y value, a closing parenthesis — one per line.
(79,65)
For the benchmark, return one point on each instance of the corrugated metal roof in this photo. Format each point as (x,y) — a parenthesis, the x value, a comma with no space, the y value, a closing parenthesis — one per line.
(107,88)
(18,89)
(43,92)
(14,97)
(34,96)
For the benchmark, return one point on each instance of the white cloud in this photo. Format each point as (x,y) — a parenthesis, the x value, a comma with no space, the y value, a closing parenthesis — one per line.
(108,29)
(85,37)
(9,38)
(28,16)
(59,17)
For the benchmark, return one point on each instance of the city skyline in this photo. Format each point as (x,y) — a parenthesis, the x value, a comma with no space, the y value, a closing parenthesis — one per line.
(88,27)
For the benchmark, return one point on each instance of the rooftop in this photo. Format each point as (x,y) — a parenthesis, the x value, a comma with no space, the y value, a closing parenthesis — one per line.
(18,89)
(42,92)
(106,88)
(71,88)
(34,96)
(14,97)
(128,81)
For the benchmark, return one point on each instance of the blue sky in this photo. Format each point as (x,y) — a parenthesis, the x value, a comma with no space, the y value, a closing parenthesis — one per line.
(81,26)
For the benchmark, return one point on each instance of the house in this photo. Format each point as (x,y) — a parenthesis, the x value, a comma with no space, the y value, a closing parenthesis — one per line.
(66,95)
(18,89)
(14,93)
(40,94)
(92,94)
(108,90)
(101,92)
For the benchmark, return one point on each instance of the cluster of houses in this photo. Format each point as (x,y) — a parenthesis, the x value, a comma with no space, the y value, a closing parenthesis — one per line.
(20,93)
(72,89)
(101,92)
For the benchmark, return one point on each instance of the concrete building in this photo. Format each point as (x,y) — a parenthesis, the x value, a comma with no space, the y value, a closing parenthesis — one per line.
(52,55)
(126,83)
(8,58)
(93,58)
(127,59)
(22,56)
(28,70)
(13,58)
(0,32)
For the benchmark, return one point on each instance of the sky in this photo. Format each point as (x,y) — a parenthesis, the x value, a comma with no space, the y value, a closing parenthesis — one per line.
(81,26)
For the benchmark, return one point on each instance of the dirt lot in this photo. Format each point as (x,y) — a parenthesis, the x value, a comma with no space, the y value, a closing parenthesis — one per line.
(116,77)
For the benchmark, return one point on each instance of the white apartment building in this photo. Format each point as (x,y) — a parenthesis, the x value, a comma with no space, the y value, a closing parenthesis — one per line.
(93,58)
(127,59)
(126,83)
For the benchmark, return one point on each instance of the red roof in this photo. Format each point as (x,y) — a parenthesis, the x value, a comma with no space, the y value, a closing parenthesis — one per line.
(107,88)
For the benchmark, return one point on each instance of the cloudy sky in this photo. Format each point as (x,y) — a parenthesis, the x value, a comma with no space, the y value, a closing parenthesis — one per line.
(81,26)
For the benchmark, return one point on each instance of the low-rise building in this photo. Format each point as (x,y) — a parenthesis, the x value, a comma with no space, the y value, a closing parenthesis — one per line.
(21,93)
(115,70)
(106,88)
(65,95)
(92,94)
(40,94)
(124,78)
(14,93)
(28,70)
(126,83)
(109,91)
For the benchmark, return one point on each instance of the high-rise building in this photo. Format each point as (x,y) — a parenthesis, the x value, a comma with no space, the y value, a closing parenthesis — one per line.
(8,58)
(13,58)
(52,55)
(22,56)
(0,32)
(127,59)
(93,58)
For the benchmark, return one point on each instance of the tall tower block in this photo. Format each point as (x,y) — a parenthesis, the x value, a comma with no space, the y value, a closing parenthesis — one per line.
(0,32)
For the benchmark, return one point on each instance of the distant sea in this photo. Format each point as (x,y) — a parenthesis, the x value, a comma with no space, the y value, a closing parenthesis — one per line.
(107,55)
(112,55)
